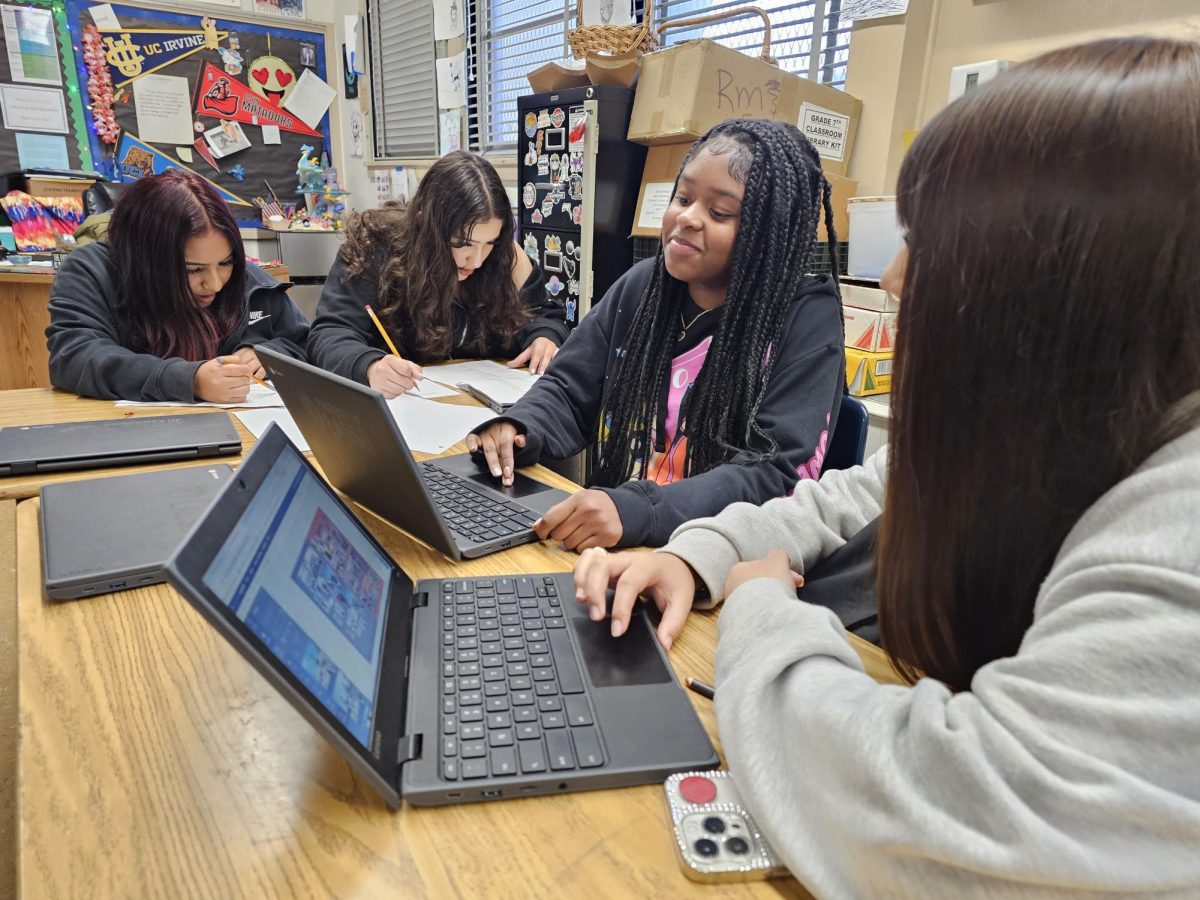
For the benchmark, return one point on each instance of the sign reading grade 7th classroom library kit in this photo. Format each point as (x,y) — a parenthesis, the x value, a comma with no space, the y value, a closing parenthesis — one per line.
(826,130)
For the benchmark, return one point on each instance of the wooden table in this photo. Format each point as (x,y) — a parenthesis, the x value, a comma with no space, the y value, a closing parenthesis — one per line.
(154,761)
(24,317)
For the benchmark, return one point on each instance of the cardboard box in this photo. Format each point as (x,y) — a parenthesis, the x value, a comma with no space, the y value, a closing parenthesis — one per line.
(554,76)
(658,177)
(685,90)
(872,298)
(843,189)
(42,186)
(869,330)
(868,373)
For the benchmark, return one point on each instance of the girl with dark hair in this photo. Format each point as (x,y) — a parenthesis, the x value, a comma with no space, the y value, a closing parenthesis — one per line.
(708,375)
(166,308)
(1038,561)
(446,278)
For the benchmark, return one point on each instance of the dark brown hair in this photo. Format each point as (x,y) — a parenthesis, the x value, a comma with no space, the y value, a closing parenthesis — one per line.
(150,227)
(1048,337)
(409,247)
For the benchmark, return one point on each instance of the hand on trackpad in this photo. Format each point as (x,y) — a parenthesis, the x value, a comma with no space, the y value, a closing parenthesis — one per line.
(522,486)
(631,659)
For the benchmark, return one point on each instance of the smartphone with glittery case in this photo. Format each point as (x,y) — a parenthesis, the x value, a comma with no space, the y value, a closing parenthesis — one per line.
(716,838)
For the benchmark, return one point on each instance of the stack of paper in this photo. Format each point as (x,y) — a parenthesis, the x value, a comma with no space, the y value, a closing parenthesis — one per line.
(496,385)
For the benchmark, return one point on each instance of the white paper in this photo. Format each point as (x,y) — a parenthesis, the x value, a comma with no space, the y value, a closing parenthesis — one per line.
(270,134)
(309,99)
(31,43)
(450,130)
(350,27)
(163,107)
(451,80)
(402,183)
(358,129)
(33,108)
(258,398)
(447,19)
(655,200)
(826,130)
(431,390)
(226,139)
(42,151)
(607,12)
(502,384)
(184,154)
(258,420)
(104,17)
(435,427)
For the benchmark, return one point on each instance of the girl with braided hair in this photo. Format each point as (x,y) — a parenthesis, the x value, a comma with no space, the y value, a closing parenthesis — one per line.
(709,375)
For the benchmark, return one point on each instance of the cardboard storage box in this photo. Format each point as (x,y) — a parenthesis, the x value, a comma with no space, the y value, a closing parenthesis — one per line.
(658,178)
(872,298)
(685,90)
(45,186)
(868,330)
(868,373)
(829,118)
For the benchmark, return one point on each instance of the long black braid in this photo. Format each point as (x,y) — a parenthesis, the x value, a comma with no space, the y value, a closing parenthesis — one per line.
(785,192)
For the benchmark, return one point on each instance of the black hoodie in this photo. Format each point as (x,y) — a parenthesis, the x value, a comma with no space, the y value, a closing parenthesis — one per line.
(89,353)
(345,341)
(559,415)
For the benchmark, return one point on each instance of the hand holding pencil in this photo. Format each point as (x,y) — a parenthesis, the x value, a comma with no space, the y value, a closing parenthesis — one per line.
(392,375)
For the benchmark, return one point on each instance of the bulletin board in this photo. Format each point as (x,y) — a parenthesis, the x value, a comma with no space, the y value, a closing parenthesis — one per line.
(37,84)
(178,90)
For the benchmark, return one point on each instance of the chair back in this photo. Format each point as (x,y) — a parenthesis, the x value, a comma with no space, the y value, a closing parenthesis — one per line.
(849,441)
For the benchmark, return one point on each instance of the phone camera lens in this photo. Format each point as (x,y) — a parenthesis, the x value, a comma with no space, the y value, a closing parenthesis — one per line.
(705,847)
(737,845)
(713,825)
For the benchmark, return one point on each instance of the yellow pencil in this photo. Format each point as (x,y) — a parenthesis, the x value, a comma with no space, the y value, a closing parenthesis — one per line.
(221,360)
(387,340)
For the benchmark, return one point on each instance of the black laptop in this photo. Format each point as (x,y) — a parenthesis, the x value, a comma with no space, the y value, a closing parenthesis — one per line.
(450,503)
(26,449)
(446,691)
(110,534)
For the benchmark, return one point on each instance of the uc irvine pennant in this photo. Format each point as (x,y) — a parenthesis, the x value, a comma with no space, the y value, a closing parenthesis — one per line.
(136,159)
(224,97)
(134,52)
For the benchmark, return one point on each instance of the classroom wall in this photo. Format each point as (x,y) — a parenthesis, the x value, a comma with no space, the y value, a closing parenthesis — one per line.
(900,66)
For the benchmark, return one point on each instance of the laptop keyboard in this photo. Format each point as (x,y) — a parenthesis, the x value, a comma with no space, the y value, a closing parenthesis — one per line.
(470,514)
(513,700)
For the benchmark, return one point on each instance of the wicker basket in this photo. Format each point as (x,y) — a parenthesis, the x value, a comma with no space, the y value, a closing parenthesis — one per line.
(616,39)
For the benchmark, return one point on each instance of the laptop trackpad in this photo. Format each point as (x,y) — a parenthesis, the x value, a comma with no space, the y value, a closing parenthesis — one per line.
(629,660)
(523,485)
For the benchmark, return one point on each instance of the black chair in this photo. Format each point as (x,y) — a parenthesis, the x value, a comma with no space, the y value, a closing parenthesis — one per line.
(849,441)
(102,196)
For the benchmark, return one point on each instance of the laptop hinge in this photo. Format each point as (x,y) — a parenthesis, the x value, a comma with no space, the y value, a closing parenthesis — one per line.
(419,599)
(408,748)
(209,449)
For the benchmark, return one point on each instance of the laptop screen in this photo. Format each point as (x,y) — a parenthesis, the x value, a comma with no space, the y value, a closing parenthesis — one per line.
(302,576)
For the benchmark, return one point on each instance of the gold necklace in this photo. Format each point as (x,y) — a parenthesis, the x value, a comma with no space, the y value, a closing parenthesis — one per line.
(684,326)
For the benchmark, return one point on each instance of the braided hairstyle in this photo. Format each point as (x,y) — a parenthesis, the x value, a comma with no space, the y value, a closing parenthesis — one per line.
(785,191)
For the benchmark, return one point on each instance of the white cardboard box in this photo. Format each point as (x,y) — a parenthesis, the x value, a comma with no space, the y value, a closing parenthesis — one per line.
(869,298)
(866,329)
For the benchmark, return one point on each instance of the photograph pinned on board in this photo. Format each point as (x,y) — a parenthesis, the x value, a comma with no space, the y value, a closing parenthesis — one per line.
(227,139)
(292,8)
(308,54)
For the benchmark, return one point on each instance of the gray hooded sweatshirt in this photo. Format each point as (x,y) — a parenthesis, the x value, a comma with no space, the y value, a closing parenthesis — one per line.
(1071,769)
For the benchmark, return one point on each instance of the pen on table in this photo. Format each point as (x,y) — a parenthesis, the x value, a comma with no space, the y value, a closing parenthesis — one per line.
(702,688)
(387,340)
(221,362)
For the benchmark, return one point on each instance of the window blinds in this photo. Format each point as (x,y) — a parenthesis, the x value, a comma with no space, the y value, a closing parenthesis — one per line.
(403,78)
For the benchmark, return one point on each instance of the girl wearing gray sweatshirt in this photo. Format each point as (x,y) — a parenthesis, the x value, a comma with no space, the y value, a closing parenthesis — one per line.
(1038,559)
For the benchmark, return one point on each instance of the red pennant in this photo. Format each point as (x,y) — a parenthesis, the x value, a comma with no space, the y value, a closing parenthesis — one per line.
(224,97)
(202,148)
